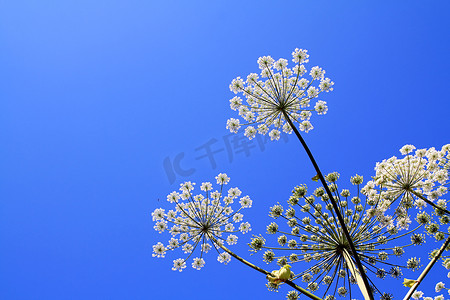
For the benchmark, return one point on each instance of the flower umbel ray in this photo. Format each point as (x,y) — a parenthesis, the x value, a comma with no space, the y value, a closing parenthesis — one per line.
(279,91)
(314,236)
(417,179)
(205,220)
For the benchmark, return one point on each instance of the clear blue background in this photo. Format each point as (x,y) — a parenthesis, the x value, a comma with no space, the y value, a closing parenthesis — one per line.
(94,95)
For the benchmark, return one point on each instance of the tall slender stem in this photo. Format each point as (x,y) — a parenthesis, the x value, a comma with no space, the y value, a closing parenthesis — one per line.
(288,282)
(430,203)
(355,274)
(427,269)
(335,207)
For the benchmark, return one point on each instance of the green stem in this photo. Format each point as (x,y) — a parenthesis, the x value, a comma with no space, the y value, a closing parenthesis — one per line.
(335,207)
(427,269)
(288,282)
(429,202)
(355,273)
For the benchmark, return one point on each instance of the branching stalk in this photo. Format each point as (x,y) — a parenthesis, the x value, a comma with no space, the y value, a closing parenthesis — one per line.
(288,282)
(427,269)
(430,203)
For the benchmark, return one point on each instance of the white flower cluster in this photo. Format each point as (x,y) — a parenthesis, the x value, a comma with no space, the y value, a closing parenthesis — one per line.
(280,92)
(314,235)
(438,288)
(410,179)
(202,220)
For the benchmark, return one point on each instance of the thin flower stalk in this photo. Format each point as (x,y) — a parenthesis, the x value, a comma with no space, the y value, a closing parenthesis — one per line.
(438,208)
(427,269)
(288,282)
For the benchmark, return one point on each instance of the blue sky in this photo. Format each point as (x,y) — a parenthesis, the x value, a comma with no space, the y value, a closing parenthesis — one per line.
(96,95)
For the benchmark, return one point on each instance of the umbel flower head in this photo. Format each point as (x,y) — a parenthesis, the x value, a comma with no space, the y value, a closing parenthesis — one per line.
(202,221)
(276,93)
(410,180)
(310,238)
